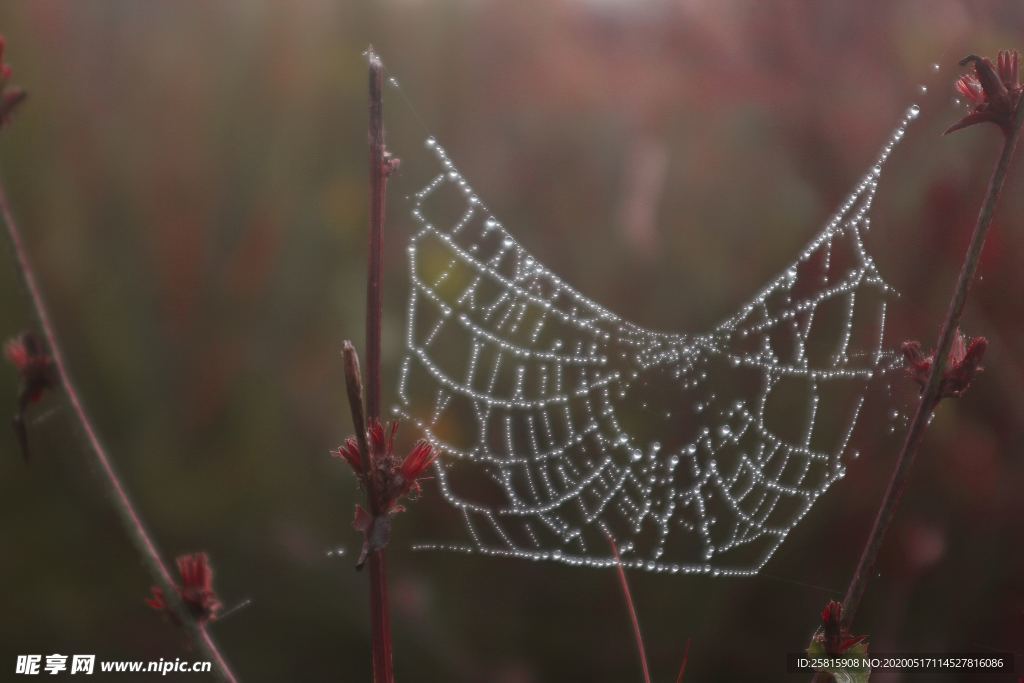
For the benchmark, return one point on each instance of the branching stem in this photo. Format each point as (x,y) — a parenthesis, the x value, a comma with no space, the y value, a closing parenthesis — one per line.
(930,396)
(115,488)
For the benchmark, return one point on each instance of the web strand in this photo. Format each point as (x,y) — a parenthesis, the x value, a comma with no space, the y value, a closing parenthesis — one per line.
(537,397)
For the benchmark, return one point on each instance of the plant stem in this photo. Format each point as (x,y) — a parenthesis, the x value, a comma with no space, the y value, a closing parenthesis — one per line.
(381,627)
(624,584)
(930,395)
(383,671)
(686,659)
(123,505)
(380,621)
(378,193)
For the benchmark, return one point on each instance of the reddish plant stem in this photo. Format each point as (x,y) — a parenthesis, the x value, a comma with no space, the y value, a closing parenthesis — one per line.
(383,671)
(930,395)
(686,659)
(378,194)
(637,635)
(380,620)
(115,488)
(380,627)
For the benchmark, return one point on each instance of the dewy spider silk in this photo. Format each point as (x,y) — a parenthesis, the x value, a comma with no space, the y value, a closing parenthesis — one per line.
(546,407)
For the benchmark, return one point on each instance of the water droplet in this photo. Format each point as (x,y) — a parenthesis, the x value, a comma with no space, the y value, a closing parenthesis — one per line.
(935,67)
(913,112)
(393,82)
(923,89)
(431,143)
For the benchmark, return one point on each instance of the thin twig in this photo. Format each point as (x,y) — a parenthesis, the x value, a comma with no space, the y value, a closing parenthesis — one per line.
(140,538)
(930,396)
(686,658)
(624,584)
(380,619)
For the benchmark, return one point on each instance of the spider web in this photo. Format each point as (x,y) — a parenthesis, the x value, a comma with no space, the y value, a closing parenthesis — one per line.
(561,425)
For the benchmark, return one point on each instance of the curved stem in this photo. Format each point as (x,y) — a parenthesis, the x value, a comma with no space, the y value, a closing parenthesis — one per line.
(123,505)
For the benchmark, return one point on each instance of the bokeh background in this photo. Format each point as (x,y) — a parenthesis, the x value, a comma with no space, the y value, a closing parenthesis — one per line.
(192,181)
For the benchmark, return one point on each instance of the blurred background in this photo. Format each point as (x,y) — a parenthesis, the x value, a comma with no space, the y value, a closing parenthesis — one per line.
(191,179)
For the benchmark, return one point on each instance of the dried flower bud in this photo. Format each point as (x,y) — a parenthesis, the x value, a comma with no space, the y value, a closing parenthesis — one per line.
(38,375)
(196,589)
(386,480)
(993,91)
(412,468)
(349,452)
(834,636)
(962,365)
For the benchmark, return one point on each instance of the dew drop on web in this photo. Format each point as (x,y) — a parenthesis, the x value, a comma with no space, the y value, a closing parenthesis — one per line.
(556,448)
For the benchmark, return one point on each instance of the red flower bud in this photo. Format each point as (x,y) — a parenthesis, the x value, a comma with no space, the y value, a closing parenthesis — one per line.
(196,589)
(386,480)
(962,365)
(349,452)
(835,636)
(994,91)
(38,375)
(418,460)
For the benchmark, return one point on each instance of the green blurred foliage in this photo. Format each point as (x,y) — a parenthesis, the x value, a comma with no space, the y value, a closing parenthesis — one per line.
(191,178)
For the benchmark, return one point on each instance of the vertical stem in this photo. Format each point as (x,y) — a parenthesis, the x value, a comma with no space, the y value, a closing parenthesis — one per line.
(383,671)
(380,620)
(930,395)
(115,488)
(378,191)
